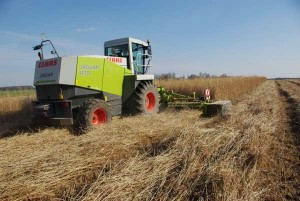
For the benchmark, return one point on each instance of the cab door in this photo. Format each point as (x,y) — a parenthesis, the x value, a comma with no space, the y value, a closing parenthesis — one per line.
(138,58)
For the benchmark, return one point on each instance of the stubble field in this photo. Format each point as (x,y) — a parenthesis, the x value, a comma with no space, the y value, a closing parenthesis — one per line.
(252,154)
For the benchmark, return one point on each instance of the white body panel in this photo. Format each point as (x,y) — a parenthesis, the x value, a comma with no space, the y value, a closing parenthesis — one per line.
(61,70)
(47,71)
(145,77)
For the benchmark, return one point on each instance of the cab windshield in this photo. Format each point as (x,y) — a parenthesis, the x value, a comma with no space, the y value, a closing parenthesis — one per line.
(117,51)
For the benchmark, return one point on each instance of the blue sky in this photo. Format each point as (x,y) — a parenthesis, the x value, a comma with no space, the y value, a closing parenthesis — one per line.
(236,37)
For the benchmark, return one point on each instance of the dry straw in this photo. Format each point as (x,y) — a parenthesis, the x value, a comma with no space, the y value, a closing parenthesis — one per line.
(174,155)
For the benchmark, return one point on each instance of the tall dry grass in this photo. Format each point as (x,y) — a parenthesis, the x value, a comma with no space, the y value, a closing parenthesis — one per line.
(174,155)
(14,112)
(14,93)
(232,88)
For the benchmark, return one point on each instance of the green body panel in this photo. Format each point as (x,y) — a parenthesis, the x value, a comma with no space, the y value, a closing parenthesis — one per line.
(129,85)
(100,74)
(113,78)
(89,72)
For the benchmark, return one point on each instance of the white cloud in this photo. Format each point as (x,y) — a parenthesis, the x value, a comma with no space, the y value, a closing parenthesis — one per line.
(85,29)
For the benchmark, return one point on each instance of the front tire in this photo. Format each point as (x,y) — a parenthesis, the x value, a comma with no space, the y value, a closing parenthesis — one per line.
(144,100)
(148,99)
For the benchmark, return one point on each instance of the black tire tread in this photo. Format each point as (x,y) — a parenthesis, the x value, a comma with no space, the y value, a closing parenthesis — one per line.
(83,121)
(135,103)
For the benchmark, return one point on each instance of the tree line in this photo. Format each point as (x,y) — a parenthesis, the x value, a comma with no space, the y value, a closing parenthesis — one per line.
(192,76)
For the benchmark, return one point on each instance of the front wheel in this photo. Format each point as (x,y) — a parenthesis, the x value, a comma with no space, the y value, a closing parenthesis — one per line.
(145,99)
(148,99)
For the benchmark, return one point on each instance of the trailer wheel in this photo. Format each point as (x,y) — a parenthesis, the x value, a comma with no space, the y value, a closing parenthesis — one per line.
(92,114)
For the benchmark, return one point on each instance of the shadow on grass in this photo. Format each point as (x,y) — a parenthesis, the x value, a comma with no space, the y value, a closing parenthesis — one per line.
(17,122)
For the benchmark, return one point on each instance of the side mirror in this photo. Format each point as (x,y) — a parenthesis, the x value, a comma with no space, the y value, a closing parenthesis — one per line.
(37,47)
(149,47)
(149,50)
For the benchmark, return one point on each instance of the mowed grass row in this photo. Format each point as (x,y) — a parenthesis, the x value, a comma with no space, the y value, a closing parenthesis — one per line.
(56,164)
(246,156)
(231,88)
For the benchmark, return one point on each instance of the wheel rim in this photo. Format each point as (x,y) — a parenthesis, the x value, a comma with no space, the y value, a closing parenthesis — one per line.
(99,117)
(150,101)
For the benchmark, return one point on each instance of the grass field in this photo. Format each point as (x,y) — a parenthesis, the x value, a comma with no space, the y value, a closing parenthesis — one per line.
(14,93)
(252,154)
(15,112)
(231,88)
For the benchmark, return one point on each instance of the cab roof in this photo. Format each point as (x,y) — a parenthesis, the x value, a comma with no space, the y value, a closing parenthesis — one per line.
(123,41)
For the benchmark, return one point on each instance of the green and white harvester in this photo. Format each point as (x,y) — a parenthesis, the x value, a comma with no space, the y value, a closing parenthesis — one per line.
(86,91)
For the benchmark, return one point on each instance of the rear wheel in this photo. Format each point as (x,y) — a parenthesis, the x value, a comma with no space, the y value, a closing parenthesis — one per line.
(92,114)
(98,117)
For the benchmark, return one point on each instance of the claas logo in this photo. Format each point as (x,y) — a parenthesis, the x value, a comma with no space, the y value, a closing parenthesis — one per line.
(50,63)
(115,59)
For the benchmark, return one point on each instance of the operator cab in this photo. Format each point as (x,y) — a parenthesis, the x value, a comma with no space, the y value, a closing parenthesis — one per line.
(137,52)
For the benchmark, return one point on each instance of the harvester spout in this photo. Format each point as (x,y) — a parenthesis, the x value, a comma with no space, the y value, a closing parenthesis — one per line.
(40,47)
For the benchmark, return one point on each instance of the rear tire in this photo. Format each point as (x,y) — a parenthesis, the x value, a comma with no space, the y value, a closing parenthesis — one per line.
(92,114)
(144,100)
